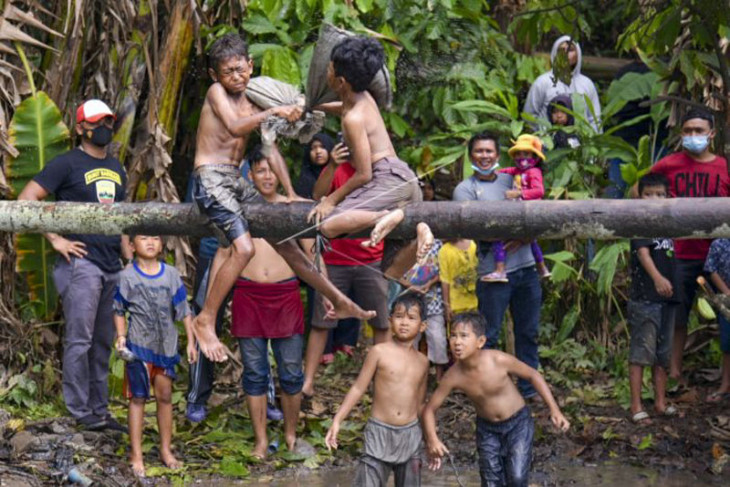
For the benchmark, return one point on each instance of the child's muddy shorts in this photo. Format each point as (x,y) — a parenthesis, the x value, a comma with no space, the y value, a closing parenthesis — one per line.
(222,194)
(505,449)
(387,448)
(651,326)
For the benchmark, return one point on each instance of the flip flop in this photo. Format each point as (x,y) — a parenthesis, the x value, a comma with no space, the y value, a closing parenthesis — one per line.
(640,418)
(669,411)
(717,397)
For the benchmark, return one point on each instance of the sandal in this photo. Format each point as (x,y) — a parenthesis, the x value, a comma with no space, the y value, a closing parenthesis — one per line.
(717,396)
(642,418)
(669,411)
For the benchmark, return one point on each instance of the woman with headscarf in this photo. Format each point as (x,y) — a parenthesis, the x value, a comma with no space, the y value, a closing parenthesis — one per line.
(314,160)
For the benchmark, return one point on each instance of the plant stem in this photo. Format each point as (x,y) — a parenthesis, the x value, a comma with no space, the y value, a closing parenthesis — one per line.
(26,65)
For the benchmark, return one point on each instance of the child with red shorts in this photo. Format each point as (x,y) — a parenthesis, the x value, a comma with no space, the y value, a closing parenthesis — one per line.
(149,299)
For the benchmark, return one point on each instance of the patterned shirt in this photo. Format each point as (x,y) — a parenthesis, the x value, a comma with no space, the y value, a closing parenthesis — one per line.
(420,275)
(153,303)
(718,260)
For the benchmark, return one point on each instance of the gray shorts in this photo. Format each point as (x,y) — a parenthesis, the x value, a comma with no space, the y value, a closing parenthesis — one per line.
(393,185)
(390,448)
(367,288)
(651,325)
(222,194)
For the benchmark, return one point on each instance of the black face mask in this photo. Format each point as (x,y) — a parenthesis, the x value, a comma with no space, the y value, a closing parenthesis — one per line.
(100,136)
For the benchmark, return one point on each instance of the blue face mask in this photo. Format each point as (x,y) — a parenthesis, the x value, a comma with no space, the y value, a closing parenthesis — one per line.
(485,172)
(696,144)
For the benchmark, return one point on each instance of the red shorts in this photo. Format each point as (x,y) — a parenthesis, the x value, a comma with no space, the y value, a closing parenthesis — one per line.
(139,379)
(267,310)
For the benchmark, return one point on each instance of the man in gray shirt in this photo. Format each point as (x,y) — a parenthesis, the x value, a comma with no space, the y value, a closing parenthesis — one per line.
(522,293)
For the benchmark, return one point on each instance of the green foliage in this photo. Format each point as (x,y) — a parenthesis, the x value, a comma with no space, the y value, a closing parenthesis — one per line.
(38,132)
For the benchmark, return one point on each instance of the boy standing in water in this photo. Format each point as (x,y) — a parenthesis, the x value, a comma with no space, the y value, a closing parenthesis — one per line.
(505,428)
(153,296)
(382,183)
(227,119)
(392,435)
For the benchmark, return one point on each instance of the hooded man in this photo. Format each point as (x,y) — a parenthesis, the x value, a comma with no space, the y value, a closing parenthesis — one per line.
(551,84)
(87,271)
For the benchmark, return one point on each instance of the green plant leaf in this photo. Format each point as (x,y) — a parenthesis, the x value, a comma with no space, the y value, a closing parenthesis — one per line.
(281,63)
(232,467)
(38,132)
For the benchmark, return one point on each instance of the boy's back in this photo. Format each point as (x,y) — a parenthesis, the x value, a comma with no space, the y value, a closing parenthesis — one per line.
(399,383)
(363,126)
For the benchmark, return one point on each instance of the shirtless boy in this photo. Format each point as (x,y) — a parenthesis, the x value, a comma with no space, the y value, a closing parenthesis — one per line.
(505,428)
(382,183)
(392,434)
(226,121)
(267,308)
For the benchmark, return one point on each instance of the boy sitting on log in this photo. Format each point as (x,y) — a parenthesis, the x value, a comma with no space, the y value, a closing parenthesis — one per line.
(382,183)
(227,119)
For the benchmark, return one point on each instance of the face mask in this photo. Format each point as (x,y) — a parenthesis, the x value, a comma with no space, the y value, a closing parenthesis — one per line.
(100,136)
(484,172)
(526,163)
(696,144)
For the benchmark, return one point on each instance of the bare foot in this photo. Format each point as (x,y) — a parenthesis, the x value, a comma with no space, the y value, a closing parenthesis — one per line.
(137,466)
(383,227)
(169,460)
(291,441)
(425,242)
(347,309)
(308,389)
(260,449)
(204,328)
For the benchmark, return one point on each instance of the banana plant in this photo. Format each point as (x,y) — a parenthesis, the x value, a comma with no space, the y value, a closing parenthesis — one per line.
(38,133)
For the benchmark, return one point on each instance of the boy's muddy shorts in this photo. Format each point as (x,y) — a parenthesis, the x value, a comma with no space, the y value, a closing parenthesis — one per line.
(387,448)
(222,194)
(505,449)
(392,186)
(651,326)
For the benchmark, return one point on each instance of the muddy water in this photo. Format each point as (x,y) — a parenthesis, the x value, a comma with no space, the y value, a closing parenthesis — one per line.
(596,476)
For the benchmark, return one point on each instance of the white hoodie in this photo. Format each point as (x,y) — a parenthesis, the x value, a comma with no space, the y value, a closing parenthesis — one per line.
(544,89)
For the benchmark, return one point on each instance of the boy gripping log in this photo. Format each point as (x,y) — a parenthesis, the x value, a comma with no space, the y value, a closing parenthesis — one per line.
(382,183)
(392,435)
(505,428)
(227,119)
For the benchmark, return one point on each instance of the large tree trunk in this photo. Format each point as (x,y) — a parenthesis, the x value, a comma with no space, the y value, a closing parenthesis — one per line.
(599,219)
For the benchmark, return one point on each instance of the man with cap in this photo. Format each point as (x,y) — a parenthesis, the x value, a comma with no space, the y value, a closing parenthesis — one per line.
(521,292)
(87,270)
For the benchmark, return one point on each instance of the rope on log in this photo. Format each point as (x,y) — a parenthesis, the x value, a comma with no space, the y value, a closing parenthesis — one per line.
(598,219)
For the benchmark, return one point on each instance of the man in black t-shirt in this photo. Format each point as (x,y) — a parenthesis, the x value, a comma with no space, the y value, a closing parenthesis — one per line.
(651,309)
(87,271)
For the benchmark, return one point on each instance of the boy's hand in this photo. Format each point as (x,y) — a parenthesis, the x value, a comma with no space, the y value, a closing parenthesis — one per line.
(340,153)
(68,248)
(512,194)
(560,421)
(192,351)
(291,113)
(121,343)
(329,309)
(663,287)
(434,463)
(331,439)
(321,211)
(436,450)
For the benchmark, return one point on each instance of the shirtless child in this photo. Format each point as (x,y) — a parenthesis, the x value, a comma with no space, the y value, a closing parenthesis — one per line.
(226,121)
(505,428)
(392,435)
(382,183)
(267,308)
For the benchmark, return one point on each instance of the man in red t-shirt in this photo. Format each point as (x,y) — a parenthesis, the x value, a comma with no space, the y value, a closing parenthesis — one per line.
(353,269)
(694,172)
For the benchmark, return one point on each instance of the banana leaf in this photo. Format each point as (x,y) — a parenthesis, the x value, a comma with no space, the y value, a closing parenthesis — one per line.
(38,132)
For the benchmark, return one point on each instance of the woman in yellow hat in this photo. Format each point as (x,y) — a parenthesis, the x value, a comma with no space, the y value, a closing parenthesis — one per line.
(528,185)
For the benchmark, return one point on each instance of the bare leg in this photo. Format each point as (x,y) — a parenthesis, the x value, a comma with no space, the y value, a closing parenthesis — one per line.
(291,404)
(660,388)
(303,267)
(383,227)
(675,368)
(315,347)
(136,419)
(350,221)
(223,280)
(724,388)
(163,394)
(381,336)
(257,411)
(636,373)
(413,252)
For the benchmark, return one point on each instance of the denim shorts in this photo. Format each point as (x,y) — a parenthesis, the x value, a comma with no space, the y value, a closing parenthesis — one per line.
(505,449)
(222,194)
(651,326)
(288,356)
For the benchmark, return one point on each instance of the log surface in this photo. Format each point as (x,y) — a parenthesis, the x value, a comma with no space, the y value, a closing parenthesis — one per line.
(599,219)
